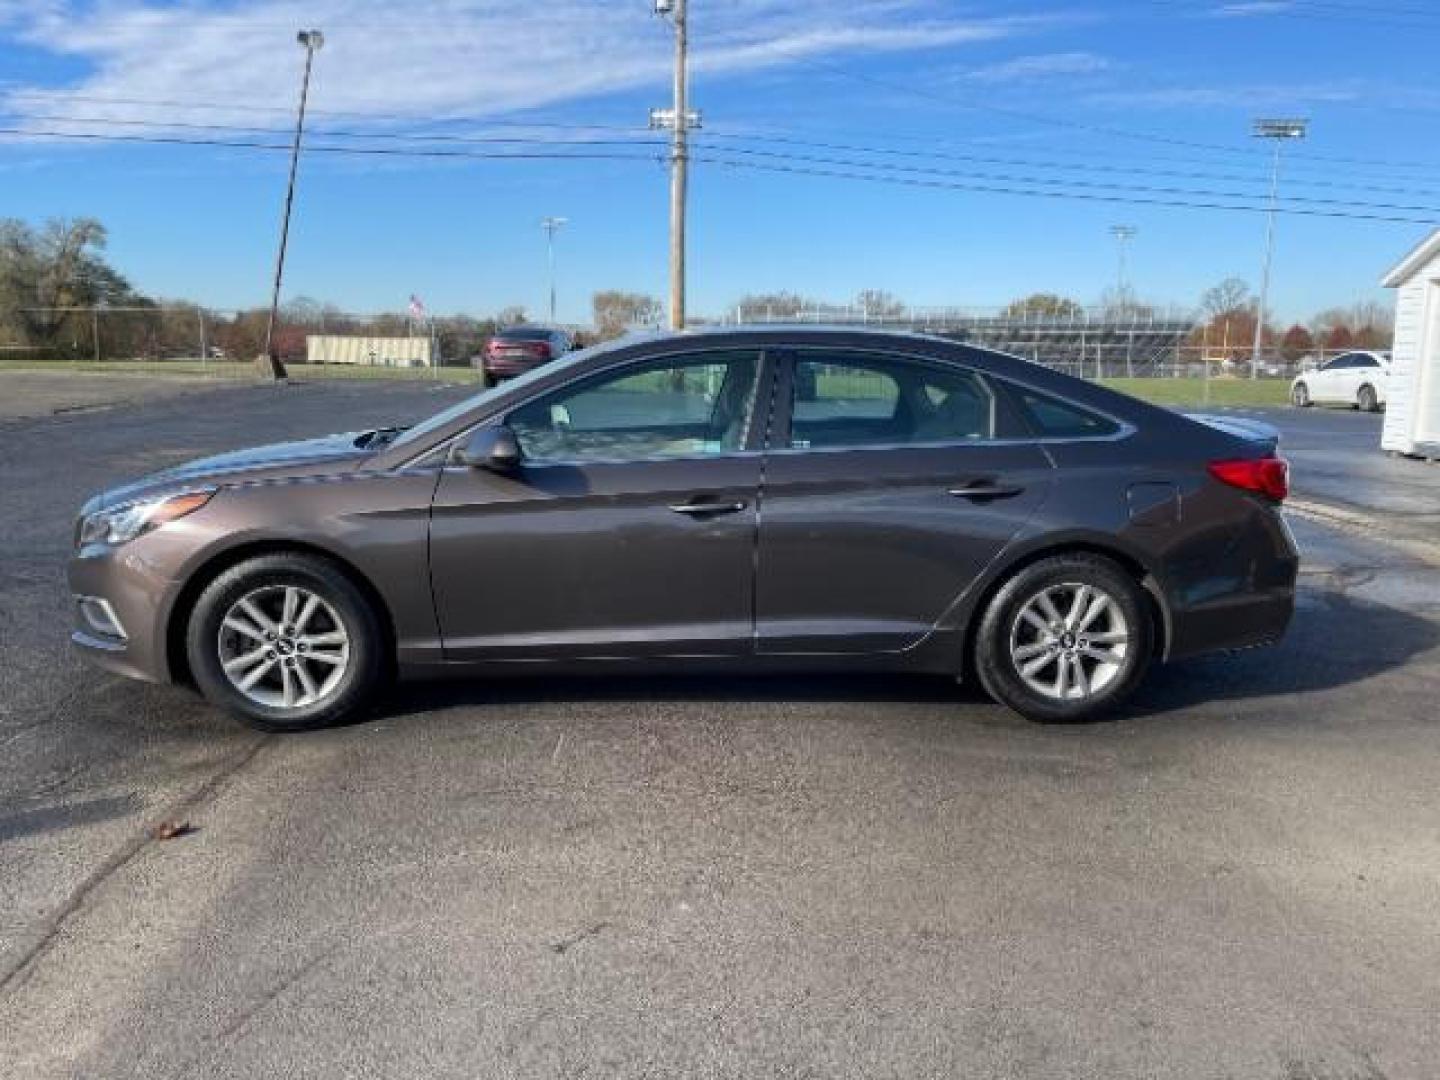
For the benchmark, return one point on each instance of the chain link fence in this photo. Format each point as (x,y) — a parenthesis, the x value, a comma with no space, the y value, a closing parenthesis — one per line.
(1155,355)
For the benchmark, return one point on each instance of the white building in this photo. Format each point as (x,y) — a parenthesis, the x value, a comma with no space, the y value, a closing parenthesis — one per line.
(369,351)
(1412,409)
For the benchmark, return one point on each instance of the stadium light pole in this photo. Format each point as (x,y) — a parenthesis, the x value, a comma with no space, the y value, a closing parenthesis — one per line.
(310,41)
(1277,131)
(1123,234)
(552,225)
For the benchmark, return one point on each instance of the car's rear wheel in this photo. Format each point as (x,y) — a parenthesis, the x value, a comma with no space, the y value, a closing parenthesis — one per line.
(1066,638)
(1367,400)
(1300,396)
(287,642)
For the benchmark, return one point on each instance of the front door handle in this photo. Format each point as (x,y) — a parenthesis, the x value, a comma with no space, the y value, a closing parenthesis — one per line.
(706,508)
(985,489)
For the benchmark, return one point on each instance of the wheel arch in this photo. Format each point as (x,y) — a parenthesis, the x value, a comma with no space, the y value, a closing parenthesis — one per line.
(1128,561)
(221,561)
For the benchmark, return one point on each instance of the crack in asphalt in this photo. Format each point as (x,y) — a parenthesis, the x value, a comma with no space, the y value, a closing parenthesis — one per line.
(14,976)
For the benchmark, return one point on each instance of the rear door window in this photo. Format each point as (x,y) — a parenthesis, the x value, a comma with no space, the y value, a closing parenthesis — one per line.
(853,400)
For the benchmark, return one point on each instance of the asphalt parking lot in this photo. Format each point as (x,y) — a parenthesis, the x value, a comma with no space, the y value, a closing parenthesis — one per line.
(703,877)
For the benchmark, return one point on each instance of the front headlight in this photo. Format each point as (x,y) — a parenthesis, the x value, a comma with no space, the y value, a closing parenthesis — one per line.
(118,524)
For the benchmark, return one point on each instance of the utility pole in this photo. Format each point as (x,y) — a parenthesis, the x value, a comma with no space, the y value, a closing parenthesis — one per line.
(678,119)
(310,41)
(552,225)
(1278,131)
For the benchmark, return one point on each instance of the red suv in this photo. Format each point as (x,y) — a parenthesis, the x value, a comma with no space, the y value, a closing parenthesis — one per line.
(517,349)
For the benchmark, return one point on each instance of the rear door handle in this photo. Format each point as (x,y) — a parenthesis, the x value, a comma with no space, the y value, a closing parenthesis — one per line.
(704,508)
(984,489)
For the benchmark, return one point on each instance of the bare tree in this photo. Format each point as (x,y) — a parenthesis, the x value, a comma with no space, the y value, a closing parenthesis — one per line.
(879,305)
(1230,297)
(1043,305)
(615,311)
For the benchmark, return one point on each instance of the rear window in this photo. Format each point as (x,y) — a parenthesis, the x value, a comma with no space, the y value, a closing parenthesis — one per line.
(1055,419)
(524,333)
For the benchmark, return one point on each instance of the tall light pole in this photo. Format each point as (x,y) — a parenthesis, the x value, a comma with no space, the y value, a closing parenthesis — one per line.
(678,120)
(1123,234)
(1278,131)
(552,225)
(310,41)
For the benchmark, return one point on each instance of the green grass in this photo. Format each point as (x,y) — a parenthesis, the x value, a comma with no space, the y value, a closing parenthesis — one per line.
(1192,392)
(229,369)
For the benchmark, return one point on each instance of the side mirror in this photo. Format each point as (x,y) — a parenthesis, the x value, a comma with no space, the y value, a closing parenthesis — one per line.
(493,448)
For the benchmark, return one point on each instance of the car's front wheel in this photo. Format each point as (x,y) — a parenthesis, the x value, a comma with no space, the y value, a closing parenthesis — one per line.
(287,642)
(1066,638)
(1300,396)
(1367,400)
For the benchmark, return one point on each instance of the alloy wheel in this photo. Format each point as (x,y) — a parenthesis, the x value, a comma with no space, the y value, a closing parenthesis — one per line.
(1069,642)
(284,647)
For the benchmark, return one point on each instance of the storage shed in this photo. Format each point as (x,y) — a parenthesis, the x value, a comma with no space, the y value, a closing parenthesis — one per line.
(1412,410)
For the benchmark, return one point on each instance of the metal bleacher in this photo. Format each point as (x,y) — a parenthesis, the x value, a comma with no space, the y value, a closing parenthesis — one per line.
(1089,342)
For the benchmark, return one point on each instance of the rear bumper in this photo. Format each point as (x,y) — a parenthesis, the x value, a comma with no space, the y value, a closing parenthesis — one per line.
(507,367)
(1246,597)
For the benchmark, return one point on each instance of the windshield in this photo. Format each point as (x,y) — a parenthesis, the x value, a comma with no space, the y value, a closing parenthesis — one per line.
(524,333)
(440,419)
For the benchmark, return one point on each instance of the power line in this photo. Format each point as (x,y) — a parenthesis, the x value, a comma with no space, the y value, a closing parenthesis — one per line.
(1009,178)
(488,140)
(415,137)
(1369,164)
(1126,170)
(250,144)
(996,189)
(399,118)
(872,173)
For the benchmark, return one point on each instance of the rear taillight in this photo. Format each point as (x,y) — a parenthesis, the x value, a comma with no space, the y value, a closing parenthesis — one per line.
(539,348)
(1268,476)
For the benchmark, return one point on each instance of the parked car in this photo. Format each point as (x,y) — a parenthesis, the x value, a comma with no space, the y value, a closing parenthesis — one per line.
(1358,379)
(518,349)
(927,507)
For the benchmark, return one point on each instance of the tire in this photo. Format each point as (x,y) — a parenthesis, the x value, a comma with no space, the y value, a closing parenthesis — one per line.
(1367,400)
(1009,642)
(334,651)
(1300,396)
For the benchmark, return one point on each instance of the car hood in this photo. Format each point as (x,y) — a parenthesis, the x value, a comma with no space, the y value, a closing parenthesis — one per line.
(326,455)
(1252,431)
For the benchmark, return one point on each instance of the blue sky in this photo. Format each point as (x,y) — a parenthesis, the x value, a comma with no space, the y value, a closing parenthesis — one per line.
(1146,93)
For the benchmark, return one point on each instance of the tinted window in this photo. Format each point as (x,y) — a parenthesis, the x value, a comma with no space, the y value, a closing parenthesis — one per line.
(666,408)
(525,333)
(1055,419)
(850,400)
(1340,363)
(1364,361)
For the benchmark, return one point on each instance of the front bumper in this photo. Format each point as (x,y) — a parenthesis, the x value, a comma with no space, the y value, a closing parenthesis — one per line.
(121,609)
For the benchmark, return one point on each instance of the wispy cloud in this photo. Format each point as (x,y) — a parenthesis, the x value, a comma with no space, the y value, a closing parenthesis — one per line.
(1231,96)
(1041,66)
(1251,8)
(438,58)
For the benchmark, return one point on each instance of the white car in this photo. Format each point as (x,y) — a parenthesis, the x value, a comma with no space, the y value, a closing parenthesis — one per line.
(1358,379)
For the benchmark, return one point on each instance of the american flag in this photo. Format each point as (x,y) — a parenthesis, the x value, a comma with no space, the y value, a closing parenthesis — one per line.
(417,307)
